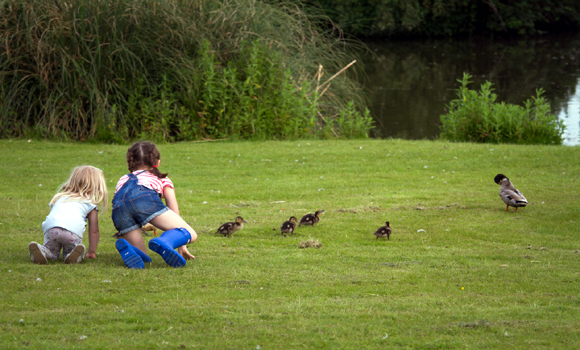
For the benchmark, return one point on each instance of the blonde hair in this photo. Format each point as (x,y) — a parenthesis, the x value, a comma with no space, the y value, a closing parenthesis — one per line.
(86,184)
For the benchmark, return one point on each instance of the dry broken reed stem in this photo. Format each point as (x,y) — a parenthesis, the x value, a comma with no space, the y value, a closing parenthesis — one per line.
(318,76)
(334,76)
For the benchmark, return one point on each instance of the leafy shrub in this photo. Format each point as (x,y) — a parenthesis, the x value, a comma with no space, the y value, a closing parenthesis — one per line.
(350,123)
(477,117)
(170,70)
(231,102)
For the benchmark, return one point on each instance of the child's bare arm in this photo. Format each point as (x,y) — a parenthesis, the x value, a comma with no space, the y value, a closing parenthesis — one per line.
(170,199)
(93,234)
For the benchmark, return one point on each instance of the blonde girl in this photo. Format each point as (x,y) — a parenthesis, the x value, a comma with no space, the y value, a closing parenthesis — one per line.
(76,202)
(137,201)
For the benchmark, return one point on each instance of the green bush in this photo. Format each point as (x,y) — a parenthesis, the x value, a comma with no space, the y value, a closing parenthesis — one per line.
(171,70)
(477,117)
(252,98)
(350,123)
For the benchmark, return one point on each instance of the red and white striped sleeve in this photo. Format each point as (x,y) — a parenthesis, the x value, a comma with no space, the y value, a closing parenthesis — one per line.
(121,182)
(148,180)
(167,182)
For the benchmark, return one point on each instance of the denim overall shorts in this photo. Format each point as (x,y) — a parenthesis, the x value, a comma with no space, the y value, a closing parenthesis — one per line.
(135,205)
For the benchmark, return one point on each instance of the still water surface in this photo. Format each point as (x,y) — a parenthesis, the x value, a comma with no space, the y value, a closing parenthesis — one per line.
(412,82)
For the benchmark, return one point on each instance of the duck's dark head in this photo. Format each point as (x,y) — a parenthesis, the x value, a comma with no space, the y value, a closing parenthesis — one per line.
(388,224)
(498,178)
(293,219)
(317,214)
(240,219)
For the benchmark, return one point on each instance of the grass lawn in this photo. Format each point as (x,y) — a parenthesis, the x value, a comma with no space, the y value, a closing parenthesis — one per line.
(459,271)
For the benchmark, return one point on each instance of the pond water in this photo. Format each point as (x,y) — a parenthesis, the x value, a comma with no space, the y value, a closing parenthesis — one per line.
(410,83)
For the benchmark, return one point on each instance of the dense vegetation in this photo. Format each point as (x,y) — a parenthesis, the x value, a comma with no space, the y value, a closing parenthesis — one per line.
(380,18)
(477,117)
(173,70)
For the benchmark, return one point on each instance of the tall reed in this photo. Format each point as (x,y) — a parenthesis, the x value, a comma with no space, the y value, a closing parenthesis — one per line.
(171,70)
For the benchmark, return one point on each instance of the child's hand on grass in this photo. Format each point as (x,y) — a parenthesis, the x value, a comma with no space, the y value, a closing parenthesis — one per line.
(185,253)
(91,256)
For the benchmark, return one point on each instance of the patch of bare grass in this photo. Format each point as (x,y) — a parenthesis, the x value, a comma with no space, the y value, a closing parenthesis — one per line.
(310,243)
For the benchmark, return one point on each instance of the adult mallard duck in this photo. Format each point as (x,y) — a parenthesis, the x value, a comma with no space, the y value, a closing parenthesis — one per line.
(311,219)
(384,231)
(508,193)
(288,226)
(230,227)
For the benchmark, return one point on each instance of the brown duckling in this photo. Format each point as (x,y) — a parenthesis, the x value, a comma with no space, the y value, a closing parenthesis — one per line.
(230,227)
(149,227)
(508,193)
(311,219)
(288,226)
(384,231)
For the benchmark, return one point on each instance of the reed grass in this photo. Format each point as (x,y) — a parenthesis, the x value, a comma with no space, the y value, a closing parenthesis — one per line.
(171,70)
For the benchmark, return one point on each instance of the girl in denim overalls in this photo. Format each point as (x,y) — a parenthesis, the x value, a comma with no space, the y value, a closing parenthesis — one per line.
(137,202)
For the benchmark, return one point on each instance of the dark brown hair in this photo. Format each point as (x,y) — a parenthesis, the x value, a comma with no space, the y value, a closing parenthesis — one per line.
(144,155)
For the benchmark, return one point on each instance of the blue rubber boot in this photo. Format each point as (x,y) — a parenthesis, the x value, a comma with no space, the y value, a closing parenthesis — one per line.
(165,245)
(146,258)
(131,255)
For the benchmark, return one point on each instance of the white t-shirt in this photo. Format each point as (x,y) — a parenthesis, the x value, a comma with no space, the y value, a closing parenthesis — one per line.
(70,215)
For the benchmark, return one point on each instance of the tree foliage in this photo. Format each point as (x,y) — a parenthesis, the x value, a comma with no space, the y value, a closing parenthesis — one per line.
(382,18)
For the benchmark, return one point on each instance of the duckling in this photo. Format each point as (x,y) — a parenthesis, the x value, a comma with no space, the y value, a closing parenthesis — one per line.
(311,219)
(288,226)
(149,227)
(508,193)
(384,231)
(230,227)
